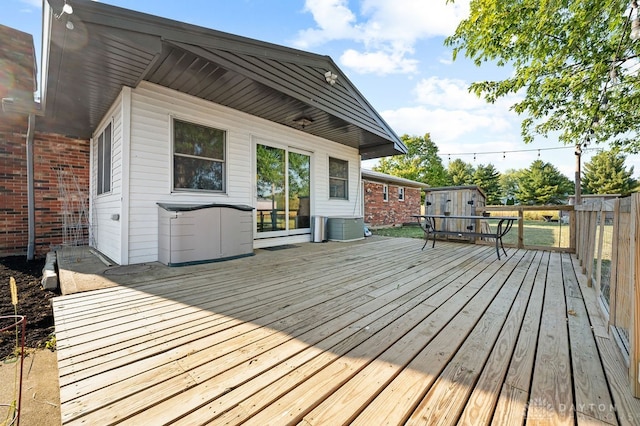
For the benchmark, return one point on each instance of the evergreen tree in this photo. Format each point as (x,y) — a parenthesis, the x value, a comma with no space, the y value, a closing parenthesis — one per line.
(509,186)
(421,162)
(488,179)
(460,172)
(543,184)
(606,174)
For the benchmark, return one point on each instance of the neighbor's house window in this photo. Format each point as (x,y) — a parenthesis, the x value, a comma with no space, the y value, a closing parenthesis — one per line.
(338,179)
(104,161)
(385,192)
(198,157)
(401,193)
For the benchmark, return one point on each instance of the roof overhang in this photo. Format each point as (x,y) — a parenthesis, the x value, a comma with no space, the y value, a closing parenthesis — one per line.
(85,68)
(374,176)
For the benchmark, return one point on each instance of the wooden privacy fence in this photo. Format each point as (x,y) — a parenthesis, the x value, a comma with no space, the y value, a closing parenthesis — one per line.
(619,288)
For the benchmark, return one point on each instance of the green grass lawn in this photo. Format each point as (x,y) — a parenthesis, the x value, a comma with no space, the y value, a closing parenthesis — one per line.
(536,233)
(540,233)
(401,231)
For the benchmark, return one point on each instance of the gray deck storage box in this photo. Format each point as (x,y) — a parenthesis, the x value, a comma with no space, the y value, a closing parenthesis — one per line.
(345,228)
(196,233)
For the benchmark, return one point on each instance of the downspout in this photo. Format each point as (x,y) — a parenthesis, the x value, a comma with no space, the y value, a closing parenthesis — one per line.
(31,209)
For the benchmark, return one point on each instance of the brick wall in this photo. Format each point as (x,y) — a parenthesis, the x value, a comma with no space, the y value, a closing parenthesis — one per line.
(377,212)
(17,56)
(52,153)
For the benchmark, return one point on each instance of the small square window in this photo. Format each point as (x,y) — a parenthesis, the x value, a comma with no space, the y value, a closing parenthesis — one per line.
(198,157)
(338,179)
(401,193)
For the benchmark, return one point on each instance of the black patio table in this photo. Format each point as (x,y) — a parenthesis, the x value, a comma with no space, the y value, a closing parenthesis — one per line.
(428,224)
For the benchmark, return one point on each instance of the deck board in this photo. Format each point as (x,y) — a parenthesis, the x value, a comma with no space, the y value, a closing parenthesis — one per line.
(481,404)
(372,332)
(592,398)
(551,390)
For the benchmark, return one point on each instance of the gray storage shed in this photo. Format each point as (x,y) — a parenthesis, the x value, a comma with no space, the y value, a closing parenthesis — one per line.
(455,201)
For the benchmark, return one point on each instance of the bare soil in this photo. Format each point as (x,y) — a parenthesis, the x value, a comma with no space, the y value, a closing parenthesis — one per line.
(33,303)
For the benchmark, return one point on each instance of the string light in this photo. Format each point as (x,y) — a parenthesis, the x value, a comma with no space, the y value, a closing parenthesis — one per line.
(504,153)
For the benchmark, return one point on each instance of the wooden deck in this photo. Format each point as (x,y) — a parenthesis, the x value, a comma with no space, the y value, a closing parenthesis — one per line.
(368,333)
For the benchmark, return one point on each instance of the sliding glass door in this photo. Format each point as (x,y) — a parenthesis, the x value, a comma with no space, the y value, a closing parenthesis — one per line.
(283,181)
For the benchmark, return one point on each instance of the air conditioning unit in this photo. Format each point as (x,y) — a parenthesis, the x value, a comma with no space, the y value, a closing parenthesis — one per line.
(345,228)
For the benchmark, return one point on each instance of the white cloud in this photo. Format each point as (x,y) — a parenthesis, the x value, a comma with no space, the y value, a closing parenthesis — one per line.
(387,30)
(445,126)
(459,122)
(447,93)
(335,22)
(378,62)
(455,94)
(409,20)
(447,111)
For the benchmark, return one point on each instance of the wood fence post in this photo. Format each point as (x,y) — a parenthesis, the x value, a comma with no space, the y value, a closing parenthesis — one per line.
(603,216)
(572,230)
(634,276)
(613,278)
(579,227)
(593,227)
(520,228)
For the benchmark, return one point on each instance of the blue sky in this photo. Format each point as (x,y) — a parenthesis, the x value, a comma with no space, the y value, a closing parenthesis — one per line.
(392,51)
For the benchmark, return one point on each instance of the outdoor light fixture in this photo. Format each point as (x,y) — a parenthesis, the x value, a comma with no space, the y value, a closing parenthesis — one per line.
(65,9)
(303,121)
(330,77)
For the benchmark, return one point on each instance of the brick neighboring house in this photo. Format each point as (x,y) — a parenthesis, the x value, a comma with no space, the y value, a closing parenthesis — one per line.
(390,200)
(53,155)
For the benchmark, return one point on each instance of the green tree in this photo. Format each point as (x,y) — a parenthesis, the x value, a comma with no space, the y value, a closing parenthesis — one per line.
(421,162)
(607,174)
(460,172)
(564,54)
(488,179)
(543,184)
(509,184)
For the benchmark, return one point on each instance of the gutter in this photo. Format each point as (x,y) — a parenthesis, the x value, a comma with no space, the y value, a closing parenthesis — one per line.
(31,210)
(32,109)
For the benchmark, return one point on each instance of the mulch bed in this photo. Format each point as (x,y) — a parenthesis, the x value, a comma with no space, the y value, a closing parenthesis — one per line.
(33,303)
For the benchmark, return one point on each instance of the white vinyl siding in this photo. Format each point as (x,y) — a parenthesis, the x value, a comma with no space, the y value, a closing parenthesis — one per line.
(152,109)
(105,231)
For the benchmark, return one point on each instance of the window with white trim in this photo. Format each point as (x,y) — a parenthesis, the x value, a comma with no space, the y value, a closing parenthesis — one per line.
(103,154)
(198,157)
(338,179)
(400,193)
(385,192)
